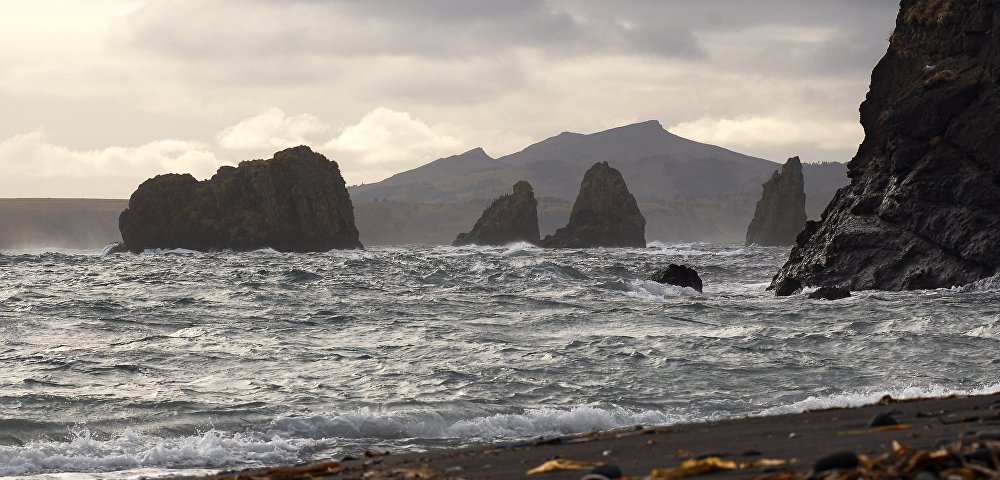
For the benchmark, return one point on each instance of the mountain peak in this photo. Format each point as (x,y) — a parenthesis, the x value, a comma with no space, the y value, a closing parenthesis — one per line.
(648,127)
(476,152)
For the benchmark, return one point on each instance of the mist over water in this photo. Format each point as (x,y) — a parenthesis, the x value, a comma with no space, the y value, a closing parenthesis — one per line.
(181,360)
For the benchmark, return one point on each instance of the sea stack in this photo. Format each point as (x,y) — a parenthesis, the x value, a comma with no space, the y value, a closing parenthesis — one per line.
(605,214)
(510,218)
(781,210)
(294,202)
(923,207)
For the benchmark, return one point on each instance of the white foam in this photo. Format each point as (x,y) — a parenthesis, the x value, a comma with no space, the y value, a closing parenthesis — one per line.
(989,284)
(170,251)
(368,423)
(189,332)
(690,250)
(985,331)
(521,246)
(868,397)
(131,450)
(287,437)
(650,290)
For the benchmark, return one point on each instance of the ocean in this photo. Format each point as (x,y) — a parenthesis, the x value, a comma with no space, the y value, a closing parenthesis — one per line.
(175,361)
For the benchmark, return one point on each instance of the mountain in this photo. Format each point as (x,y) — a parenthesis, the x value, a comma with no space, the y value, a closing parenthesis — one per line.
(687,190)
(472,174)
(657,165)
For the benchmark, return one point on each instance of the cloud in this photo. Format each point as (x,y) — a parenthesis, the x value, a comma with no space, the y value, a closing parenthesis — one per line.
(750,133)
(271,129)
(235,78)
(440,29)
(385,142)
(35,166)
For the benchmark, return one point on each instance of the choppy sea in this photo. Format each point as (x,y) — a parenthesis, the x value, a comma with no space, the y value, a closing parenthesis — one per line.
(176,361)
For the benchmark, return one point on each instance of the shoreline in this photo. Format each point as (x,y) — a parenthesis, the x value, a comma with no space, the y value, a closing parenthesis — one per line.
(743,447)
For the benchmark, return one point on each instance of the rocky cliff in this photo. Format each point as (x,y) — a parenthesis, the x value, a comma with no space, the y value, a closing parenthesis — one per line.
(296,201)
(923,206)
(605,214)
(781,210)
(510,218)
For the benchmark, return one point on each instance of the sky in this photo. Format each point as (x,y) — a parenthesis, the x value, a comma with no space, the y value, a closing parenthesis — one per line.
(99,95)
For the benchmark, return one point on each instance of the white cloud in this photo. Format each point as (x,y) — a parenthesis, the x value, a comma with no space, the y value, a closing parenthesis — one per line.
(271,129)
(35,166)
(751,133)
(385,141)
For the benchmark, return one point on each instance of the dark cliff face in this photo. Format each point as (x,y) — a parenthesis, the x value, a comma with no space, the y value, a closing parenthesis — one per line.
(781,210)
(510,218)
(296,201)
(605,214)
(923,206)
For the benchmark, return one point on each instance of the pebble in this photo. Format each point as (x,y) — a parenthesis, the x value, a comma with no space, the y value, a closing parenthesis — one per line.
(836,461)
(608,470)
(883,419)
(988,435)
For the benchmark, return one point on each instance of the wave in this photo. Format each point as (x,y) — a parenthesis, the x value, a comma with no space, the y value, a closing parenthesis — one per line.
(368,423)
(650,290)
(868,397)
(289,439)
(170,251)
(986,285)
(298,275)
(130,450)
(657,247)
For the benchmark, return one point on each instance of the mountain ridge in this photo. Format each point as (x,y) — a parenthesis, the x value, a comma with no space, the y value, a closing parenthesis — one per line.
(659,166)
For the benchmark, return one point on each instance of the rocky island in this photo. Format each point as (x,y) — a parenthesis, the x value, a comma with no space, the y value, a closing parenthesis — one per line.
(781,210)
(296,201)
(605,214)
(510,218)
(923,206)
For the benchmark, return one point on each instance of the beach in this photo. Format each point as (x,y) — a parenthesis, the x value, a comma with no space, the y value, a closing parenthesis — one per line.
(755,446)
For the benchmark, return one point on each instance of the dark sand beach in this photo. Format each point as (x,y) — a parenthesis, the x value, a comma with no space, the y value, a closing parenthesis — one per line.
(780,446)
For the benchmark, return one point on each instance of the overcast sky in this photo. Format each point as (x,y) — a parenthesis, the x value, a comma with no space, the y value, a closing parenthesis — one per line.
(98,95)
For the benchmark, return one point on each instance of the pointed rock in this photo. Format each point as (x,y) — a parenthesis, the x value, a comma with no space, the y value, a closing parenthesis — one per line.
(605,214)
(510,218)
(781,210)
(923,207)
(296,201)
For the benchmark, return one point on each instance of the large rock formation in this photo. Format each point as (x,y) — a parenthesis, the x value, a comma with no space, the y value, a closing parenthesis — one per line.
(510,218)
(604,215)
(923,206)
(296,202)
(781,210)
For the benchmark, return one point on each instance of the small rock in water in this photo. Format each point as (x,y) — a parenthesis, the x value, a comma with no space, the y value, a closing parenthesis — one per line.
(836,461)
(830,293)
(679,275)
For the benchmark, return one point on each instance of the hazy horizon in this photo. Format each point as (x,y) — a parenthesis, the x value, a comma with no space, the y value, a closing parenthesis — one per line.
(112,92)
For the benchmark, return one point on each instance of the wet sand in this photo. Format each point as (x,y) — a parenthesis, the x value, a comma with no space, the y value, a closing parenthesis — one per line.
(756,446)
